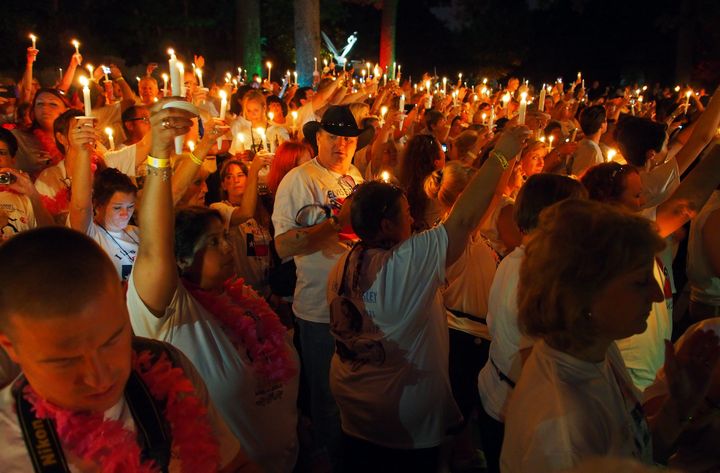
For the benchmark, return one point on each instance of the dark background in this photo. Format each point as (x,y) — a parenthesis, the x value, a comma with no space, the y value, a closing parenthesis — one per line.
(612,41)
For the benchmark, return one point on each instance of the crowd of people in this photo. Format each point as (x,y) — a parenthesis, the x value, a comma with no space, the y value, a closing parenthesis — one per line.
(368,274)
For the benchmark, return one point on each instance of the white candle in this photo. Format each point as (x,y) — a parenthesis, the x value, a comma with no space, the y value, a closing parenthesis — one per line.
(240,73)
(523,108)
(199,75)
(459,78)
(223,111)
(241,141)
(506,103)
(174,73)
(90,69)
(86,95)
(165,81)
(687,101)
(444,85)
(541,102)
(484,118)
(294,117)
(492,120)
(611,154)
(76,43)
(181,80)
(384,79)
(399,73)
(60,71)
(551,138)
(455,98)
(295,74)
(383,112)
(315,59)
(111,140)
(269,66)
(33,38)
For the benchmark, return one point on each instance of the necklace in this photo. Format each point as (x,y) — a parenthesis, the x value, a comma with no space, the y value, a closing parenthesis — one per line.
(117,243)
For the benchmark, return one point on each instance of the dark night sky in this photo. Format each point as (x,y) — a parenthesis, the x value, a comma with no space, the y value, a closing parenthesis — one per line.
(609,40)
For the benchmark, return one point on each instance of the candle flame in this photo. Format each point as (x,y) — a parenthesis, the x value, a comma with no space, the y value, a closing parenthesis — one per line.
(83,81)
(75,43)
(33,37)
(689,93)
(611,154)
(241,137)
(542,139)
(260,131)
(271,116)
(165,76)
(268,64)
(523,96)
(109,131)
(551,138)
(385,176)
(191,145)
(171,51)
(294,114)
(677,88)
(90,68)
(222,94)
(383,110)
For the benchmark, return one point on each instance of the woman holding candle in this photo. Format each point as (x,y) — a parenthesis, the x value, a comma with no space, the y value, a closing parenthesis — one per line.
(186,294)
(254,118)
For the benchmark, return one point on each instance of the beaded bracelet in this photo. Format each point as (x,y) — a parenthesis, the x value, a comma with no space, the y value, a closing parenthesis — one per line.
(159,167)
(501,159)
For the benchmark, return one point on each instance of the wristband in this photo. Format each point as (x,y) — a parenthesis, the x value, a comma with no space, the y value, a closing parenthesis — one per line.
(195,159)
(120,78)
(501,159)
(157,162)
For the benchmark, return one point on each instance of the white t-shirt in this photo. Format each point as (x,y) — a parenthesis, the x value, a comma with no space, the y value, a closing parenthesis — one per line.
(275,134)
(110,116)
(490,228)
(121,247)
(14,456)
(704,282)
(468,286)
(506,339)
(49,185)
(660,182)
(251,242)
(16,214)
(263,417)
(587,155)
(122,159)
(644,354)
(564,410)
(310,185)
(390,378)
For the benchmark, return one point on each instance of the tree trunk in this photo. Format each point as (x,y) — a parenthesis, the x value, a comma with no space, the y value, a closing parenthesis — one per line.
(247,36)
(388,26)
(307,39)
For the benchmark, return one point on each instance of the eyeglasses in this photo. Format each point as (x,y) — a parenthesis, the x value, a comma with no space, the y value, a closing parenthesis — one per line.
(139,119)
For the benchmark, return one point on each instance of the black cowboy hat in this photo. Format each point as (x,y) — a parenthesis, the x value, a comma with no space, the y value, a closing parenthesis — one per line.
(338,120)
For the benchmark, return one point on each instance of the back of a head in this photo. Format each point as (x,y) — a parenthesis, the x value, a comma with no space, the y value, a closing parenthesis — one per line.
(578,247)
(286,158)
(372,202)
(465,141)
(10,141)
(432,117)
(606,182)
(541,191)
(62,125)
(51,272)
(445,185)
(191,224)
(636,136)
(592,119)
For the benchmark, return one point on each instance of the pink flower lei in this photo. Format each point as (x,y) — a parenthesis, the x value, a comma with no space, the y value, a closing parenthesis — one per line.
(250,324)
(47,143)
(107,443)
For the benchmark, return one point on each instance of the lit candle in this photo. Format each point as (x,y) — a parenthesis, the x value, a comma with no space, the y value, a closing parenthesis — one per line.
(60,71)
(199,76)
(191,145)
(384,79)
(677,88)
(174,73)
(269,66)
(111,140)
(687,101)
(223,111)
(399,72)
(385,176)
(271,117)
(90,69)
(383,112)
(484,80)
(444,85)
(33,38)
(104,69)
(551,138)
(295,74)
(315,59)
(611,154)
(165,81)
(455,97)
(506,103)
(484,118)
(579,76)
(459,78)
(181,80)
(86,95)
(523,108)
(241,141)
(263,137)
(76,43)
(240,73)
(541,102)
(491,123)
(294,117)
(415,87)
(401,105)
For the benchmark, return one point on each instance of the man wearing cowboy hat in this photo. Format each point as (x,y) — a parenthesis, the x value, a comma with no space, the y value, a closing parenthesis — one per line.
(312,225)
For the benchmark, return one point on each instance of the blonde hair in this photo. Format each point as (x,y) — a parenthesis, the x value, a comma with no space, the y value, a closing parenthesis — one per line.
(465,141)
(253,96)
(359,110)
(578,248)
(445,185)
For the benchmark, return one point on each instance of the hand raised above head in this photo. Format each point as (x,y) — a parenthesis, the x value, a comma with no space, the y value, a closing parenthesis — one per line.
(76,60)
(512,140)
(166,124)
(31,54)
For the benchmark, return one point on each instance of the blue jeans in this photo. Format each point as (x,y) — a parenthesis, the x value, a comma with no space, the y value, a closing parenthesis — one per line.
(316,350)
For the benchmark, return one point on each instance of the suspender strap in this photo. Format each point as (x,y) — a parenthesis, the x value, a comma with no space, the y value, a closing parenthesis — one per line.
(503,376)
(465,315)
(41,440)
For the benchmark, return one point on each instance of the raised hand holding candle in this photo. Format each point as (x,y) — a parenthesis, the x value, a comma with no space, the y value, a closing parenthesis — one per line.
(523,108)
(269,66)
(111,140)
(541,102)
(86,95)
(223,111)
(76,43)
(33,38)
(174,74)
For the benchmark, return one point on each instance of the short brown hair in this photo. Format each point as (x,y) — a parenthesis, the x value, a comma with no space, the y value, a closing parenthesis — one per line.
(51,272)
(541,191)
(578,247)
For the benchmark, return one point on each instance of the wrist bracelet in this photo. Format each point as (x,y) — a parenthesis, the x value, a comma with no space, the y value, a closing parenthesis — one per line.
(501,159)
(163,173)
(157,162)
(195,159)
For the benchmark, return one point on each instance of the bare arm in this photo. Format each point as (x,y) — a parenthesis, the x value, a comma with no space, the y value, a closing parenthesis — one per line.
(321,97)
(81,207)
(155,271)
(472,204)
(26,81)
(24,186)
(187,169)
(246,210)
(703,131)
(507,228)
(67,78)
(691,194)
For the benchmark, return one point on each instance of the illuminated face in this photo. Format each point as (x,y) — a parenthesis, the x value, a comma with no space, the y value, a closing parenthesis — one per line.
(6,159)
(195,193)
(254,111)
(334,148)
(234,182)
(80,361)
(148,89)
(139,125)
(214,262)
(276,109)
(116,214)
(47,109)
(190,82)
(533,160)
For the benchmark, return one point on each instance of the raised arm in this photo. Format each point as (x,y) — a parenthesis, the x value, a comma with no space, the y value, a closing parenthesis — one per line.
(26,82)
(81,207)
(188,168)
(67,78)
(472,204)
(128,96)
(155,272)
(691,194)
(703,131)
(246,210)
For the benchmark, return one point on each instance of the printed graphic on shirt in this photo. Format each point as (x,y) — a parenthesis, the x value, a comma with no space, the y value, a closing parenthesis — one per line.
(358,339)
(12,221)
